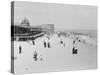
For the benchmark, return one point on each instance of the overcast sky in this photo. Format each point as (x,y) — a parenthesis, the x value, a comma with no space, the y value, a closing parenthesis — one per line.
(64,16)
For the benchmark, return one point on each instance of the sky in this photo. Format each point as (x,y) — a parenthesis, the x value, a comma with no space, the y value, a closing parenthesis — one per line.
(63,16)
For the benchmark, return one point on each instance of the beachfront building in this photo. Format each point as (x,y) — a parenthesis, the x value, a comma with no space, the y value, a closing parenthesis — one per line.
(25,31)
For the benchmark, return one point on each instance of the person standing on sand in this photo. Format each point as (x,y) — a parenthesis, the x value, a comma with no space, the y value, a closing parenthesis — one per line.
(20,49)
(62,42)
(48,44)
(35,56)
(44,44)
(33,42)
(73,41)
(74,50)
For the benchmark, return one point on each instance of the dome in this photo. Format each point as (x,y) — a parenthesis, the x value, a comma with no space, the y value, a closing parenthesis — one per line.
(25,22)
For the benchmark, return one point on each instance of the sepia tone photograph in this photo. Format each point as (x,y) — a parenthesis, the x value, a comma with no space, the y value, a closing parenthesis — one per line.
(48,37)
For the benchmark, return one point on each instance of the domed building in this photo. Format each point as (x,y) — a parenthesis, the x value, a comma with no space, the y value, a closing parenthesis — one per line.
(25,22)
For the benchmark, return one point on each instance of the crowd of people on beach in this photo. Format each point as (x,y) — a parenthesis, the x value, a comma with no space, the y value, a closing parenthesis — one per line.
(47,44)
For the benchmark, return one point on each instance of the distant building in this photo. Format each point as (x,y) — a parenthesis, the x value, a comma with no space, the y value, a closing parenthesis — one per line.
(48,28)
